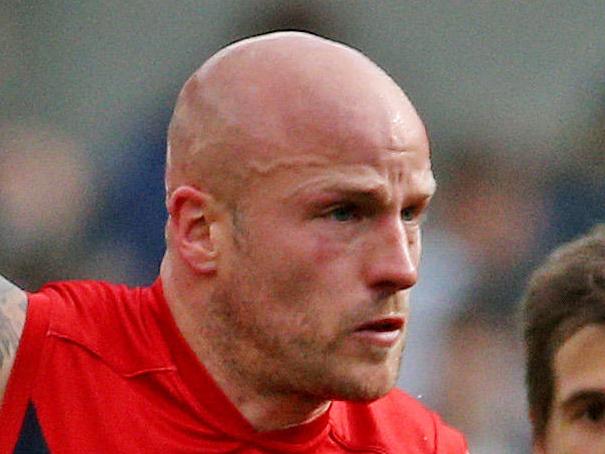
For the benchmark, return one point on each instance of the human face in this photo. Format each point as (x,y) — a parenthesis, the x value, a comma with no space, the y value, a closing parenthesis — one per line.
(577,421)
(315,285)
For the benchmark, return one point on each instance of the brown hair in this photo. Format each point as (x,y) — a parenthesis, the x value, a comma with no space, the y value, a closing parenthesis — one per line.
(566,293)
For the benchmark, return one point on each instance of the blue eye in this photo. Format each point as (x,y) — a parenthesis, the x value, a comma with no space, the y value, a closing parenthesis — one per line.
(408,214)
(343,213)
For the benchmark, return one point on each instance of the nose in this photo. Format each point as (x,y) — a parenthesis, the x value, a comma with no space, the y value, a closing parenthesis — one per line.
(392,262)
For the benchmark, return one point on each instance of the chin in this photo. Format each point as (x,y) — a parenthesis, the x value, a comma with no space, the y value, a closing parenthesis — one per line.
(363,388)
(363,394)
(371,396)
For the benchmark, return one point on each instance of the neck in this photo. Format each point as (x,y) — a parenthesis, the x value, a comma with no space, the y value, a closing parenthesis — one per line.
(281,412)
(265,409)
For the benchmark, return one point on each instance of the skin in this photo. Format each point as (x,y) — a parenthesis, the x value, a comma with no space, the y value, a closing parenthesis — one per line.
(577,422)
(298,174)
(297,178)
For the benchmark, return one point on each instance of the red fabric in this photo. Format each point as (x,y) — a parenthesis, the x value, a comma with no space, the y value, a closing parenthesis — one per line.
(107,370)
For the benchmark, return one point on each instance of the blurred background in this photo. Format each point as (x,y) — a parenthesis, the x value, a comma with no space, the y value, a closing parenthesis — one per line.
(513,94)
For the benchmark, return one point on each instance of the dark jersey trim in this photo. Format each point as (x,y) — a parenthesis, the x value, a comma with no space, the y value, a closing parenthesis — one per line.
(31,440)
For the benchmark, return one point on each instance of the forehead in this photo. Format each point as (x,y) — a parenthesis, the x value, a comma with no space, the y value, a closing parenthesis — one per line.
(355,130)
(357,155)
(325,115)
(387,136)
(387,176)
(580,362)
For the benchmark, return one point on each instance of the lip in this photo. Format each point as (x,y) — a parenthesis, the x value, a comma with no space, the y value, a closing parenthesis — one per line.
(382,332)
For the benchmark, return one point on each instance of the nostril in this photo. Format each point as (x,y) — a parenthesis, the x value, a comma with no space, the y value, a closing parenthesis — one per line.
(388,288)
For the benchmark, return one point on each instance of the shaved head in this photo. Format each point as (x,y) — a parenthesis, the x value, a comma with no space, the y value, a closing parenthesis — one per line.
(272,97)
(297,175)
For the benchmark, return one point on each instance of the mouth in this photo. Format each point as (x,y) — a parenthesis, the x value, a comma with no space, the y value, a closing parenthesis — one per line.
(383,332)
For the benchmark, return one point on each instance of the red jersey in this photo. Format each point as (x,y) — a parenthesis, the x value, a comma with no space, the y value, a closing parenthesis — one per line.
(104,369)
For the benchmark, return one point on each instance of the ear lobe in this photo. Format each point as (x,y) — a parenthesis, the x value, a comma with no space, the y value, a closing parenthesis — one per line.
(192,214)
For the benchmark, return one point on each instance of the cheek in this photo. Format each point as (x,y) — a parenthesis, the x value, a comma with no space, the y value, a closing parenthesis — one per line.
(294,261)
(324,250)
(562,439)
(309,250)
(341,243)
(336,262)
(311,267)
(282,272)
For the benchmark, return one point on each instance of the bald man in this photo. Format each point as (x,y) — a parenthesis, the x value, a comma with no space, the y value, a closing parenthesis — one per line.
(297,177)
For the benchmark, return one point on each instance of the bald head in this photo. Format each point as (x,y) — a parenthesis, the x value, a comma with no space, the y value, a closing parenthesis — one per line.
(278,98)
(297,175)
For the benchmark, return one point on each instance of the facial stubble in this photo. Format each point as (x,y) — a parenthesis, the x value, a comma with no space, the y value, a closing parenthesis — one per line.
(255,348)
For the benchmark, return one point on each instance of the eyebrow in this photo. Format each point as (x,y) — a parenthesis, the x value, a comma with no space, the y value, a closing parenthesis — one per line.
(582,395)
(377,191)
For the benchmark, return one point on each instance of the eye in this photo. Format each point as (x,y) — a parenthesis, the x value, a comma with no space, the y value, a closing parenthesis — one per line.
(586,407)
(409,214)
(594,411)
(343,213)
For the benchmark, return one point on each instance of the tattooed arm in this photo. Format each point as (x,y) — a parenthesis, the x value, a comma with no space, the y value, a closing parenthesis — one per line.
(13,303)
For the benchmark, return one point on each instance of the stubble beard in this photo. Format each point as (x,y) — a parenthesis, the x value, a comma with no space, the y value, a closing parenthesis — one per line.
(306,366)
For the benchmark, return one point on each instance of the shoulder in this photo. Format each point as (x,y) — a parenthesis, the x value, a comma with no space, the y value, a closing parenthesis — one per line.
(13,305)
(395,421)
(79,308)
(117,323)
(86,293)
(90,303)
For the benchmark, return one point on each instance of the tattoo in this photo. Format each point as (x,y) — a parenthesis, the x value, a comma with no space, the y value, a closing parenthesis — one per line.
(13,305)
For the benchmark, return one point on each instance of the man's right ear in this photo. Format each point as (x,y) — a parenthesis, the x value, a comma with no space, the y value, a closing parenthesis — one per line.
(192,214)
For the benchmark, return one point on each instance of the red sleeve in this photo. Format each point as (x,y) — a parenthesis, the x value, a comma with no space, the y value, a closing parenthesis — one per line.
(19,388)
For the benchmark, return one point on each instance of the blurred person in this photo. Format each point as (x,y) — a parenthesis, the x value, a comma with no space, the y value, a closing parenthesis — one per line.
(576,178)
(483,381)
(475,364)
(47,208)
(45,202)
(133,209)
(564,326)
(297,177)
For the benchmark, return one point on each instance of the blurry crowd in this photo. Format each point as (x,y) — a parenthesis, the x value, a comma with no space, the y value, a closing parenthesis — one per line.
(493,219)
(64,216)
